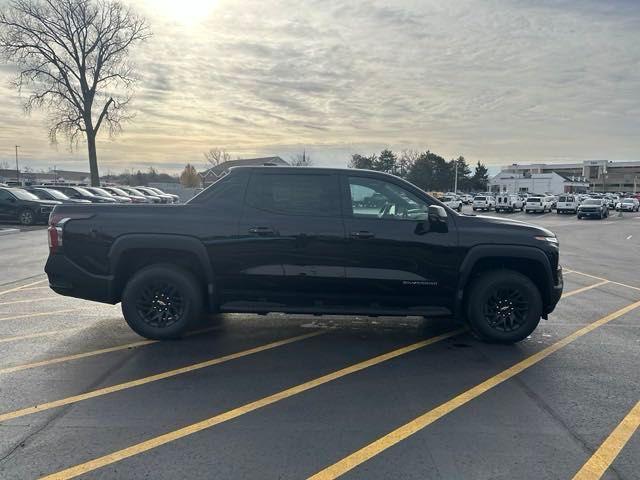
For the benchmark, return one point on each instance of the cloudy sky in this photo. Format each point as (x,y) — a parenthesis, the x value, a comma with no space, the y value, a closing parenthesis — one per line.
(500,81)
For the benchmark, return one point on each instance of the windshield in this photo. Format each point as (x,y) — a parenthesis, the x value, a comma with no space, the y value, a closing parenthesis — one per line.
(592,201)
(100,191)
(480,198)
(23,194)
(627,200)
(118,191)
(84,191)
(533,200)
(54,193)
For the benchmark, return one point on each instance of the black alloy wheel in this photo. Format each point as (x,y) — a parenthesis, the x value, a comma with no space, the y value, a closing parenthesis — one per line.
(503,306)
(160,305)
(506,309)
(163,301)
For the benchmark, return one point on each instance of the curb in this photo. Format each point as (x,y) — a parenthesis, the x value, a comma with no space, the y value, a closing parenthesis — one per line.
(7,231)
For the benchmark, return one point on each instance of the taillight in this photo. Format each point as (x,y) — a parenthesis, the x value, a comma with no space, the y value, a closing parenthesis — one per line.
(55,231)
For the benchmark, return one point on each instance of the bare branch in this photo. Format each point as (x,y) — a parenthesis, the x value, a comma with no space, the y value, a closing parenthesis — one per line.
(72,56)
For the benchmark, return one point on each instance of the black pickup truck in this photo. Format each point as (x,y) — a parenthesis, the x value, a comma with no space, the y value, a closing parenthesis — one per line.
(305,240)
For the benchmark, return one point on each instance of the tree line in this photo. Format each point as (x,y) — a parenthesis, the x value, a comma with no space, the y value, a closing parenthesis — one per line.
(427,170)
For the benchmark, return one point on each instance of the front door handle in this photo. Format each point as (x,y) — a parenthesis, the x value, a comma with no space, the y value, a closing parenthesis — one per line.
(362,235)
(261,231)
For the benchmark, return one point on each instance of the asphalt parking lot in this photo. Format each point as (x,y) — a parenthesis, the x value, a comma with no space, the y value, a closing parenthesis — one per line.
(294,397)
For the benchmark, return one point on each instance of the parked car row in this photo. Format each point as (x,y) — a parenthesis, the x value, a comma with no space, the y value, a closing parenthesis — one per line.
(33,204)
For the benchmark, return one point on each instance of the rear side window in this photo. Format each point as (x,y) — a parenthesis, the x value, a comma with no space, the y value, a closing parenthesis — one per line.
(295,194)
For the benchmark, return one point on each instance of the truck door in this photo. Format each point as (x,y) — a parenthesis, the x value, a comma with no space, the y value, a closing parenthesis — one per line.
(396,258)
(292,248)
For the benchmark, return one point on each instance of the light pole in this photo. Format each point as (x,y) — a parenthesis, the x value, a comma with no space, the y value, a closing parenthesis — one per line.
(455,183)
(17,167)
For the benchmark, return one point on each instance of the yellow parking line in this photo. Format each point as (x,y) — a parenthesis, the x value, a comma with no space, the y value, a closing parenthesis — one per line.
(23,286)
(36,335)
(153,378)
(41,314)
(414,426)
(610,281)
(37,288)
(584,289)
(27,301)
(92,353)
(600,461)
(239,411)
(77,356)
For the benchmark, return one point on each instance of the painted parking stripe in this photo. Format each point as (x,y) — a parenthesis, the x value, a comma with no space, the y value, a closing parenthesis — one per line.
(40,314)
(403,432)
(153,378)
(242,410)
(27,301)
(77,356)
(610,281)
(584,289)
(21,287)
(602,459)
(37,335)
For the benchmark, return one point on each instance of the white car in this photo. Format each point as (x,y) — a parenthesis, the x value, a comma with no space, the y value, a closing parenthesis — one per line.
(567,203)
(538,204)
(509,203)
(452,202)
(467,199)
(483,202)
(628,205)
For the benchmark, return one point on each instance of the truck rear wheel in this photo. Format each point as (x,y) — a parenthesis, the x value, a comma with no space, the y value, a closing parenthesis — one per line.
(162,302)
(503,306)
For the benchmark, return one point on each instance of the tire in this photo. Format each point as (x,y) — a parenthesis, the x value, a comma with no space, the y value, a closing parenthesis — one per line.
(27,217)
(460,208)
(474,209)
(579,217)
(504,287)
(178,287)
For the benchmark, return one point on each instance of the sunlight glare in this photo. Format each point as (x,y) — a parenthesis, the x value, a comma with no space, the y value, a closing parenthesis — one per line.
(184,11)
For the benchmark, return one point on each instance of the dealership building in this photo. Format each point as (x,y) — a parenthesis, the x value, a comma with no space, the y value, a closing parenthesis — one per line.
(591,175)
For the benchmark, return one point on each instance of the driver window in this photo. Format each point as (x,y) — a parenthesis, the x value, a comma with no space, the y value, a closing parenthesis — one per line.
(372,198)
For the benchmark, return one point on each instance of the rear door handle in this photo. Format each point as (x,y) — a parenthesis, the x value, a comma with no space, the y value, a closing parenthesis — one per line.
(362,235)
(261,230)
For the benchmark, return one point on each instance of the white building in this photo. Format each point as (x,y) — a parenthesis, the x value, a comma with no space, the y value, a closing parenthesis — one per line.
(603,175)
(552,183)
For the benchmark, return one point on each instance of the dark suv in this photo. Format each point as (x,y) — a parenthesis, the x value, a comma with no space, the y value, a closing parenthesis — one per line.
(306,240)
(19,205)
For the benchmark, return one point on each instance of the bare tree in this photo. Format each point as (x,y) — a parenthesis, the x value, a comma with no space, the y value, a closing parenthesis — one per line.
(301,160)
(216,156)
(72,56)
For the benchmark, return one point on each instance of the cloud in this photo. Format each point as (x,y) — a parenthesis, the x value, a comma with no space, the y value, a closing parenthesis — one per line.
(498,80)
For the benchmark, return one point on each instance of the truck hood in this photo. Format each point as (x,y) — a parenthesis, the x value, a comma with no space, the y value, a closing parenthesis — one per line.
(501,224)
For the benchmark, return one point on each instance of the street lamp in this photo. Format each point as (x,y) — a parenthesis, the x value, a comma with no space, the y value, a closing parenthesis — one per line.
(17,167)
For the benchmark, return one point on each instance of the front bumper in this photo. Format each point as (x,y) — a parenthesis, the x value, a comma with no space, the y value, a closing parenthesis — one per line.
(69,279)
(597,213)
(556,292)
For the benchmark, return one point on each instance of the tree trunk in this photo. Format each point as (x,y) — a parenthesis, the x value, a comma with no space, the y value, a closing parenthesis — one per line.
(93,159)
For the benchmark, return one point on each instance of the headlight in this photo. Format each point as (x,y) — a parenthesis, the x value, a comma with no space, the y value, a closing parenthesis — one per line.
(553,240)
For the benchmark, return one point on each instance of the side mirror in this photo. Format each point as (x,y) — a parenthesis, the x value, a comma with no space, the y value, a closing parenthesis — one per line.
(437,214)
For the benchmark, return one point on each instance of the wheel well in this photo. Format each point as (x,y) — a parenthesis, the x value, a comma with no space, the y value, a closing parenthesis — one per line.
(131,261)
(531,269)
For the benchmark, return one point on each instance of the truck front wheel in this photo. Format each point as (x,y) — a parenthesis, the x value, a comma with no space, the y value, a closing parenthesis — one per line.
(503,306)
(162,302)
